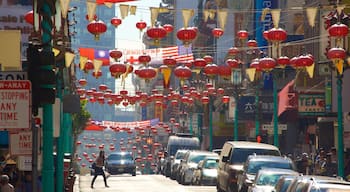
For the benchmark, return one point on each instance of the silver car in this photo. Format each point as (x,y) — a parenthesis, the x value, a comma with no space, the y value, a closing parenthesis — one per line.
(190,162)
(206,172)
(266,179)
(175,162)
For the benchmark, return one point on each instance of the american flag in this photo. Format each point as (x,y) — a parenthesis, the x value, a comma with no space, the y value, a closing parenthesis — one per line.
(181,53)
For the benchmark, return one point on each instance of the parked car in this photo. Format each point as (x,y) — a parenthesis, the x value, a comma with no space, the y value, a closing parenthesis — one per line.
(266,179)
(283,183)
(315,183)
(190,162)
(232,157)
(256,162)
(119,163)
(218,151)
(176,142)
(175,162)
(206,172)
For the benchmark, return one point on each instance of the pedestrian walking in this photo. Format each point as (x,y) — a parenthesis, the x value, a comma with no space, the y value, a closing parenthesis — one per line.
(5,185)
(98,167)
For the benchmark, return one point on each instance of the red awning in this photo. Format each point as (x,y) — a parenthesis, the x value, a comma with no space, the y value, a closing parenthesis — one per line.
(93,127)
(286,97)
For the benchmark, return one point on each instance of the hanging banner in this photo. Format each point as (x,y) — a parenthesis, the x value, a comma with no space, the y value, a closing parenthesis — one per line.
(131,124)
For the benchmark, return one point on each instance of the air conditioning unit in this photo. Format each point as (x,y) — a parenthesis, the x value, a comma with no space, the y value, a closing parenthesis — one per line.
(324,69)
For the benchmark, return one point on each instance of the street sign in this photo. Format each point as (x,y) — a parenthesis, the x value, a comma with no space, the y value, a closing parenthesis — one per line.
(269,128)
(13,75)
(21,143)
(15,104)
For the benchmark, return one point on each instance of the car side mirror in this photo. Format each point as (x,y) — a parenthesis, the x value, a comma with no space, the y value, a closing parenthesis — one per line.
(249,182)
(225,158)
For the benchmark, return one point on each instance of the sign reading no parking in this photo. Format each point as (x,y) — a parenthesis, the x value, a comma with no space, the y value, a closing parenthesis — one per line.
(15,104)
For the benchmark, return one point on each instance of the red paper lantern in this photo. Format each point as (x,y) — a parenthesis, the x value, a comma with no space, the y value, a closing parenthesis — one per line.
(96,28)
(168,28)
(209,59)
(29,17)
(186,35)
(147,73)
(305,61)
(267,64)
(232,51)
(338,30)
(233,63)
(156,33)
(277,35)
(336,53)
(182,72)
(220,91)
(252,43)
(217,32)
(242,34)
(144,59)
(205,100)
(141,25)
(199,63)
(115,21)
(255,64)
(225,99)
(82,82)
(225,71)
(115,54)
(170,62)
(117,69)
(89,65)
(283,61)
(211,70)
(102,87)
(97,74)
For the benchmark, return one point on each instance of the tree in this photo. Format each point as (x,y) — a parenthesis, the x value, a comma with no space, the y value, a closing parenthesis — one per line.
(80,120)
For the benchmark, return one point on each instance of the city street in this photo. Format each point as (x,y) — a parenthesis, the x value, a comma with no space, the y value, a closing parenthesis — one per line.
(144,183)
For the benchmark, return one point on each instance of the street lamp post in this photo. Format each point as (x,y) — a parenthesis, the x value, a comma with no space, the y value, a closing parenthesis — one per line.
(337,54)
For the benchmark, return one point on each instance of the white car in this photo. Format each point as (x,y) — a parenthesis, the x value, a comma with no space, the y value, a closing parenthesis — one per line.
(266,179)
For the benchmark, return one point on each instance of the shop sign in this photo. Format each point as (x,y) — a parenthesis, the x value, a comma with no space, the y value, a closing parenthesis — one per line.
(311,104)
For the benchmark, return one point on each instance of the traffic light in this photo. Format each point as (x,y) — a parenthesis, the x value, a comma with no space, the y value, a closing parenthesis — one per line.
(42,77)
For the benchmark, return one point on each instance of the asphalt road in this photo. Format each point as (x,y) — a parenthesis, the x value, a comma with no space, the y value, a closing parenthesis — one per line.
(139,183)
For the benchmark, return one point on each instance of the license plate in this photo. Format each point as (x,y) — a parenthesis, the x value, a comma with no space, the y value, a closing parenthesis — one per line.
(120,169)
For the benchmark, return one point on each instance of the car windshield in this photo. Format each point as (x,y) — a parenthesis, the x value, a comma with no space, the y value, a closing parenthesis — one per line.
(240,155)
(174,148)
(268,179)
(180,155)
(255,166)
(120,156)
(211,164)
(196,158)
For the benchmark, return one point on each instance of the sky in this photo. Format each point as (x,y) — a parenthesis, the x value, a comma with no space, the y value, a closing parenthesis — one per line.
(127,35)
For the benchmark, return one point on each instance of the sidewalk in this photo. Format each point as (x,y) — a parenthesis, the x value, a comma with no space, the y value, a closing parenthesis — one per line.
(76,187)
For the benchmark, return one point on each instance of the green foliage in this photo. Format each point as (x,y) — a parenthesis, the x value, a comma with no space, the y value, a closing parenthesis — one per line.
(80,119)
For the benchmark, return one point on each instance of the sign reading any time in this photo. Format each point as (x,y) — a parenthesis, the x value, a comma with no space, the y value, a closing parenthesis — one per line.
(21,143)
(15,104)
